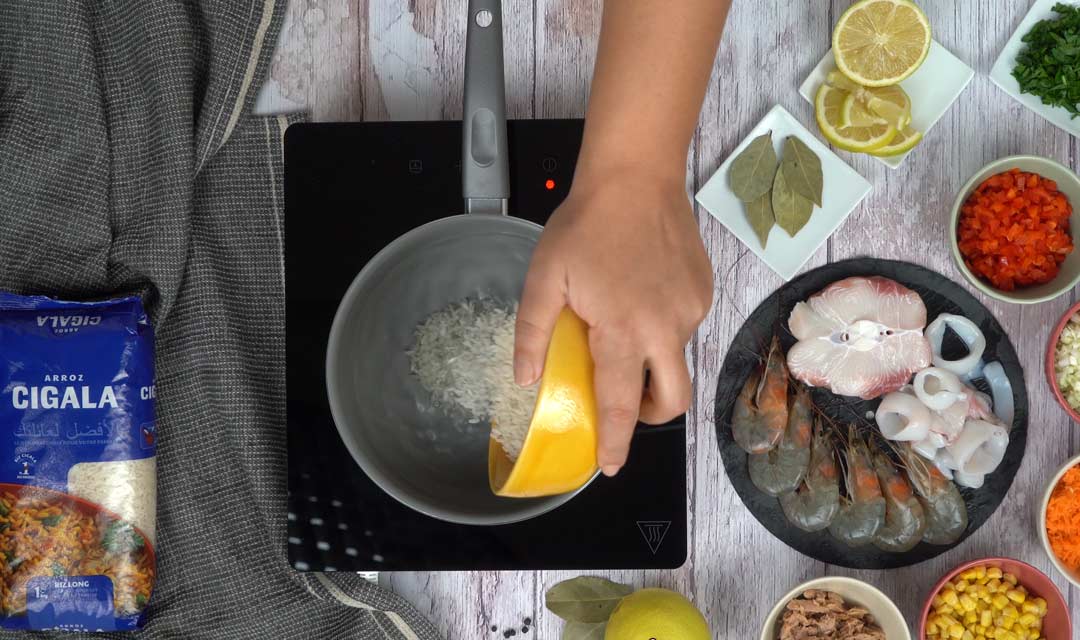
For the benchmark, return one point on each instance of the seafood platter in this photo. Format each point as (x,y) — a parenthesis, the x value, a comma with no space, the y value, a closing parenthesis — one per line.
(871,414)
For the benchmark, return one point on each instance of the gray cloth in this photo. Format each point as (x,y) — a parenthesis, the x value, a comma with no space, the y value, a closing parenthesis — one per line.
(129,163)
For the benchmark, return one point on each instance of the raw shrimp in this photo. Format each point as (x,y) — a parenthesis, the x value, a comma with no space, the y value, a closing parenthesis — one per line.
(815,503)
(946,513)
(761,410)
(905,521)
(781,470)
(862,511)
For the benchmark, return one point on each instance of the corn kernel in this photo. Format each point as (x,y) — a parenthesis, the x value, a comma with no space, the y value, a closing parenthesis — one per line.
(931,629)
(980,630)
(970,618)
(938,601)
(987,618)
(1021,589)
(1010,612)
(956,631)
(999,601)
(1029,607)
(967,602)
(1016,596)
(1026,620)
(994,585)
(951,599)
(1005,623)
(980,572)
(968,575)
(1010,578)
(968,635)
(1041,604)
(961,586)
(991,632)
(994,572)
(979,636)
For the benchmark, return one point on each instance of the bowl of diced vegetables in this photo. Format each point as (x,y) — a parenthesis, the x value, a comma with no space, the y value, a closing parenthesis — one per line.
(1063,362)
(1011,229)
(996,598)
(1058,517)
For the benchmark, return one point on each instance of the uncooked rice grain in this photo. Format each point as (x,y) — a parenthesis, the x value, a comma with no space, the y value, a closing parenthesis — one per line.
(463,356)
(128,488)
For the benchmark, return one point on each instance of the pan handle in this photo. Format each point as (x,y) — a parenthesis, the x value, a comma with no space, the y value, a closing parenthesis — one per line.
(484,164)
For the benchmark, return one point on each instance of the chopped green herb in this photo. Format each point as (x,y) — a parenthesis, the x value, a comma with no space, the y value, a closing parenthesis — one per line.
(51,521)
(14,564)
(58,569)
(9,555)
(4,510)
(1049,67)
(140,600)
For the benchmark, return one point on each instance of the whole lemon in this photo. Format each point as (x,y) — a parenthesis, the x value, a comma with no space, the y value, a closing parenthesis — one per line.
(656,614)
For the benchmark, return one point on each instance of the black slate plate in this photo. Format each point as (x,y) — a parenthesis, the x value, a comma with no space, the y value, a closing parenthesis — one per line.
(940,295)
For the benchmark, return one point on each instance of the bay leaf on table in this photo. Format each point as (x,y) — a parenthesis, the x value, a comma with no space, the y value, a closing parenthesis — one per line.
(585,599)
(802,170)
(584,631)
(752,172)
(792,210)
(760,214)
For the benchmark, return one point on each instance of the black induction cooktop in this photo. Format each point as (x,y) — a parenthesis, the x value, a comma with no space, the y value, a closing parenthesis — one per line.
(350,189)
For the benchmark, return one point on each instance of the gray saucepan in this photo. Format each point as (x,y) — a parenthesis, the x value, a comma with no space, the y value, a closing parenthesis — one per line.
(425,459)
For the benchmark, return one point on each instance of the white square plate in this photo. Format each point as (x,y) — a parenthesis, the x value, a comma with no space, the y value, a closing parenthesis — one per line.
(933,88)
(1001,74)
(844,190)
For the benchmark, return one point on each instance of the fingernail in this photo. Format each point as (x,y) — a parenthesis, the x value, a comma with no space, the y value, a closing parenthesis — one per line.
(610,469)
(524,374)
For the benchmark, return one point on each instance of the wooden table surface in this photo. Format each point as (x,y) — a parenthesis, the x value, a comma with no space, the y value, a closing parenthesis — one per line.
(402,60)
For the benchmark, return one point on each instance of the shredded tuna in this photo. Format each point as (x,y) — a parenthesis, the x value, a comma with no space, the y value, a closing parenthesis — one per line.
(822,615)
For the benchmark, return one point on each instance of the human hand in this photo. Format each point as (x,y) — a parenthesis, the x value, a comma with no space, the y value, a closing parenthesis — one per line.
(624,252)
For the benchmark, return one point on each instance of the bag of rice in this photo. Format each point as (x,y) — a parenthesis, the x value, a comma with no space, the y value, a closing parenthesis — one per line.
(78,482)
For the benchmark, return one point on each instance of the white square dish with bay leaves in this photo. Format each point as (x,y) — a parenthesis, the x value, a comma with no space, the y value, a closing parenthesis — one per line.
(842,190)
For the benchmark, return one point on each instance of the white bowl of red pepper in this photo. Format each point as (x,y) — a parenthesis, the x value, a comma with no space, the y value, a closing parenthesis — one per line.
(1011,229)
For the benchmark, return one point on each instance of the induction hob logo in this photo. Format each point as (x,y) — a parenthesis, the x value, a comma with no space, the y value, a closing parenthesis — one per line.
(654,532)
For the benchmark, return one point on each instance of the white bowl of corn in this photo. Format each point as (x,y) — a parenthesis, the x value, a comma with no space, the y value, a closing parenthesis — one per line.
(996,598)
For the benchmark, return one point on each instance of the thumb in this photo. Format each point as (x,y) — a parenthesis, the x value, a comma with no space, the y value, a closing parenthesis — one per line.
(542,300)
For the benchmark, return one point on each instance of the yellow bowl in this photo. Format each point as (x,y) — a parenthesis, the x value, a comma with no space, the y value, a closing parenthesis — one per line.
(559,453)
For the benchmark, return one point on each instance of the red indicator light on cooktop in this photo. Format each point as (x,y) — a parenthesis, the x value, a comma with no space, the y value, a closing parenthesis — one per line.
(549,185)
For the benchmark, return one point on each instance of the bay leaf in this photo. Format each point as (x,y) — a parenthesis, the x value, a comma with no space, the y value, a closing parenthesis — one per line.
(752,171)
(760,214)
(802,170)
(792,210)
(585,599)
(584,631)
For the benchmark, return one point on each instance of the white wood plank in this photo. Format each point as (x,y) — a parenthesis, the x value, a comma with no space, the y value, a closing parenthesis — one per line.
(740,569)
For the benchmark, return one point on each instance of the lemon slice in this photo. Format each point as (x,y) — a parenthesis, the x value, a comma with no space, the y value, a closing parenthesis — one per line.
(828,110)
(906,139)
(880,42)
(872,105)
(855,114)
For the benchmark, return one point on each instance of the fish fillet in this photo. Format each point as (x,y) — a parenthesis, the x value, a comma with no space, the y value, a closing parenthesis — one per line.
(859,337)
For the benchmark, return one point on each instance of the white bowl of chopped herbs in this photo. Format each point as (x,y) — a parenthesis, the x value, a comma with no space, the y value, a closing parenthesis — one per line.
(1063,362)
(1040,64)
